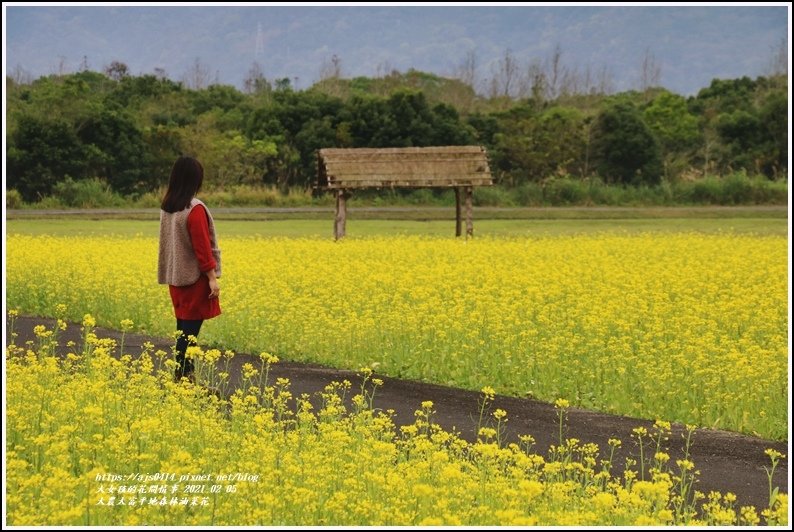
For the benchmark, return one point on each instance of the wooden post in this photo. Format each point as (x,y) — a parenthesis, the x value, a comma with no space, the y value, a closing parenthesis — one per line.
(469,223)
(457,211)
(341,214)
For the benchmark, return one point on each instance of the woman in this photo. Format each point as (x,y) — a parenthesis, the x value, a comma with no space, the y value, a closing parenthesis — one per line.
(189,260)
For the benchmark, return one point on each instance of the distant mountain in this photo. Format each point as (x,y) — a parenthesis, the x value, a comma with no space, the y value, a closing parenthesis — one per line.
(682,47)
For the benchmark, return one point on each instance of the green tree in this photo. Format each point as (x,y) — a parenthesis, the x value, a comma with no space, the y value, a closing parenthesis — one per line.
(368,120)
(411,122)
(134,91)
(675,128)
(224,97)
(484,128)
(563,140)
(741,133)
(116,152)
(41,153)
(71,98)
(449,129)
(726,95)
(315,134)
(774,118)
(299,123)
(234,160)
(504,134)
(744,123)
(542,145)
(672,123)
(163,144)
(624,148)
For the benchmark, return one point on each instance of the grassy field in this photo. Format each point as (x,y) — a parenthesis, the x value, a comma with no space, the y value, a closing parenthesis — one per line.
(532,222)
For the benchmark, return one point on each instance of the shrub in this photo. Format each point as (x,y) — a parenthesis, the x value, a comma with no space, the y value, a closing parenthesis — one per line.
(495,196)
(735,189)
(528,195)
(13,199)
(85,193)
(566,192)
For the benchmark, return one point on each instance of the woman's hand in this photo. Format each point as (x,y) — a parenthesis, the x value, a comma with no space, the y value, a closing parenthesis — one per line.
(215,288)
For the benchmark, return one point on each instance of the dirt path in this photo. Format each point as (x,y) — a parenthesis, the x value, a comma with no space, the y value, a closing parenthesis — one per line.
(728,462)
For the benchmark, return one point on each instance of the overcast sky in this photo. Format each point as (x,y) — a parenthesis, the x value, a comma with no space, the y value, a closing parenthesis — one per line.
(690,45)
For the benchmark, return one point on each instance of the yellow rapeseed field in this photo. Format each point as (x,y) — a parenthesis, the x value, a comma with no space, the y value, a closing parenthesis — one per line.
(96,440)
(690,328)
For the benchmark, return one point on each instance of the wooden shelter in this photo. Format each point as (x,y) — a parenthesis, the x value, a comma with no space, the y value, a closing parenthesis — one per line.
(458,167)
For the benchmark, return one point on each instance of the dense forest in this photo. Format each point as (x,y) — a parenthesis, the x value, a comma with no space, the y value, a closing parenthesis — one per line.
(125,131)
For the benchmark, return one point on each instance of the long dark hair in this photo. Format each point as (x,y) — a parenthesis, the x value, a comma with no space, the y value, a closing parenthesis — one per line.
(187,174)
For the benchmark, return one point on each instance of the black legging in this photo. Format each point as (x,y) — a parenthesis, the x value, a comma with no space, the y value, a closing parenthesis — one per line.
(188,328)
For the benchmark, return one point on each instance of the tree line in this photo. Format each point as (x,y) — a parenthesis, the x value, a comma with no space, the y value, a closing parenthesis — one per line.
(126,130)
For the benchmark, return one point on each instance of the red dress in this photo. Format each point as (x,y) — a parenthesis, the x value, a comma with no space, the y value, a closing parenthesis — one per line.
(192,302)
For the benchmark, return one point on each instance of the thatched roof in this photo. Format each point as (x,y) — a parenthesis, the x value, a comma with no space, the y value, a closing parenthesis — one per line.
(437,166)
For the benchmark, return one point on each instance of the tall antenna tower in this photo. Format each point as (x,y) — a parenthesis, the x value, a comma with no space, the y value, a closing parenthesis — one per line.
(260,42)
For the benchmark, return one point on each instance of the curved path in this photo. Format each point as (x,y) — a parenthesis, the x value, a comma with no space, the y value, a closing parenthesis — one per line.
(727,461)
